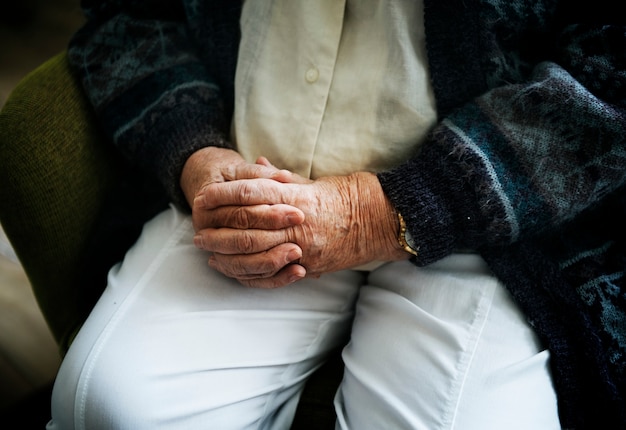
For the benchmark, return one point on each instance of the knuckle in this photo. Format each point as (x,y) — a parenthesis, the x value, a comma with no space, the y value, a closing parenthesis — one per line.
(230,268)
(246,191)
(244,242)
(270,264)
(240,217)
(238,268)
(230,171)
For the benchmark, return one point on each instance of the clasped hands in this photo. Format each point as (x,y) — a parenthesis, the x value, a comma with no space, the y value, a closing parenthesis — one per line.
(268,227)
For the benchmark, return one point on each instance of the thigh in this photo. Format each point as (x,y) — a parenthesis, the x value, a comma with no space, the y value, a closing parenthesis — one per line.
(173,344)
(443,347)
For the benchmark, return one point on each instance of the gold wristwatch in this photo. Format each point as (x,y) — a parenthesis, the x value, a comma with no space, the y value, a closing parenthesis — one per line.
(405,239)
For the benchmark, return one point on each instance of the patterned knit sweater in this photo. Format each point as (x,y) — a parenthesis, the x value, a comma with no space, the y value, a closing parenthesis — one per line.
(527,164)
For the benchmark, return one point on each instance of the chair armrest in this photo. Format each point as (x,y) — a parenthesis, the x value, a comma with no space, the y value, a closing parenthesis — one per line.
(54,175)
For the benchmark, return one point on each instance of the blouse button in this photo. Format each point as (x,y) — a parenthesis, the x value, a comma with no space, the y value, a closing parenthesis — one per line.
(312,75)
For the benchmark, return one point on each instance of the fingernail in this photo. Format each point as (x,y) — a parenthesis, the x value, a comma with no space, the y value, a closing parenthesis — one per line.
(294,218)
(198,241)
(199,202)
(294,255)
(212,262)
(294,278)
(281,175)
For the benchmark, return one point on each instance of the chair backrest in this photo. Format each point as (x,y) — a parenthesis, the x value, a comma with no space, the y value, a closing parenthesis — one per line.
(54,176)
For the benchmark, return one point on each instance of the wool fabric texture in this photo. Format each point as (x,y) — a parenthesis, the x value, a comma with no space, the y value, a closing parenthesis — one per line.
(526,166)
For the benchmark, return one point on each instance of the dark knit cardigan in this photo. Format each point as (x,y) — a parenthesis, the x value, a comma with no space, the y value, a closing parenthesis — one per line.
(526,165)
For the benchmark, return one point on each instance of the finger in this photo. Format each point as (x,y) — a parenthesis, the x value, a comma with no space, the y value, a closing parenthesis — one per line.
(240,192)
(264,217)
(282,175)
(251,171)
(260,265)
(288,275)
(263,161)
(230,241)
(287,177)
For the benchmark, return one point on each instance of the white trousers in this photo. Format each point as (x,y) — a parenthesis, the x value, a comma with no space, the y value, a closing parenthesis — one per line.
(173,344)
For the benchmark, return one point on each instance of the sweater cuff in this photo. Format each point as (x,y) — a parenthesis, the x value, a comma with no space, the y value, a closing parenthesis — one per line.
(437,201)
(425,215)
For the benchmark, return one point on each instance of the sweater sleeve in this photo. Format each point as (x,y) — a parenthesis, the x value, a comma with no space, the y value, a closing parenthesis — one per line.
(521,158)
(154,97)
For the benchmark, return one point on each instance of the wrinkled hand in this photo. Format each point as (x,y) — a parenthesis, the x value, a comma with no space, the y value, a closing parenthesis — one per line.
(218,165)
(214,165)
(347,221)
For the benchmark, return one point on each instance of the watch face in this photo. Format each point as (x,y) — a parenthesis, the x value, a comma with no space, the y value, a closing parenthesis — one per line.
(409,240)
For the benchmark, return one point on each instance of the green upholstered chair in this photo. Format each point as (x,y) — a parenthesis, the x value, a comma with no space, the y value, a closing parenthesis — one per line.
(56,178)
